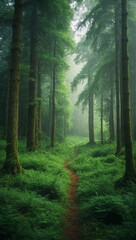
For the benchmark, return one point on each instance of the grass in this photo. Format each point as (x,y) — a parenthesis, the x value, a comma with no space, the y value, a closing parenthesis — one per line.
(32,205)
(107,212)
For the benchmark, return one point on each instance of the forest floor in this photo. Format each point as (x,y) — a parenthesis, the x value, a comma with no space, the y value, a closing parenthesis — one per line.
(33,204)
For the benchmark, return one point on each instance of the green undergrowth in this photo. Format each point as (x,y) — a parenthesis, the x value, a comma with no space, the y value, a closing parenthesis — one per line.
(32,204)
(106,212)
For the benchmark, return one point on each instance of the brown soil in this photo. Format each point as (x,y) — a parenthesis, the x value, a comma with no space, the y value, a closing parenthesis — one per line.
(72,229)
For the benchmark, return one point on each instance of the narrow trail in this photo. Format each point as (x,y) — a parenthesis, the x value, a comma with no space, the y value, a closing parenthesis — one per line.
(72,229)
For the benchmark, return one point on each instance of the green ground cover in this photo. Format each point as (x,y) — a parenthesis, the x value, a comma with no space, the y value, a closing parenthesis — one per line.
(32,205)
(107,211)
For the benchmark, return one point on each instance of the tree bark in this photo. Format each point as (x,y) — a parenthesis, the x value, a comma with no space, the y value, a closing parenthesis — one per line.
(31,145)
(12,163)
(117,67)
(101,118)
(50,110)
(111,117)
(133,91)
(39,101)
(134,110)
(91,117)
(130,172)
(53,100)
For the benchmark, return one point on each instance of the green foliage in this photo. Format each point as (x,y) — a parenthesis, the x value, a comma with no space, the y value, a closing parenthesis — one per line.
(32,204)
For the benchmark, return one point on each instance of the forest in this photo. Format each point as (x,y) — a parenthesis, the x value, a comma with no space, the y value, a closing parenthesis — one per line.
(68,120)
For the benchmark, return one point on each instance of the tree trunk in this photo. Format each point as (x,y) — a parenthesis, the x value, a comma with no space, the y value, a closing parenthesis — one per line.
(36,129)
(39,101)
(32,82)
(117,67)
(50,110)
(133,93)
(91,118)
(134,111)
(101,118)
(111,117)
(130,172)
(122,118)
(12,164)
(53,100)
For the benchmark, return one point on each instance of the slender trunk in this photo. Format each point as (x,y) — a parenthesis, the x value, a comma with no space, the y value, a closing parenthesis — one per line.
(117,67)
(122,118)
(12,163)
(50,110)
(32,83)
(53,100)
(91,118)
(23,126)
(130,172)
(102,118)
(39,101)
(36,129)
(91,113)
(111,117)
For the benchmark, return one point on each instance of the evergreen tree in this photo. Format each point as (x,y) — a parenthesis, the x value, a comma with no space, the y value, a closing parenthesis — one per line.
(12,164)
(130,172)
(31,128)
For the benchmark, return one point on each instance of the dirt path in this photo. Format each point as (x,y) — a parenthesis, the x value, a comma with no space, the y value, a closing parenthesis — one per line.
(72,229)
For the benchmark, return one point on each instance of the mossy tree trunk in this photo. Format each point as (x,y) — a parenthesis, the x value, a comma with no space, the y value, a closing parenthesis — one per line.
(53,99)
(12,163)
(130,172)
(117,67)
(31,145)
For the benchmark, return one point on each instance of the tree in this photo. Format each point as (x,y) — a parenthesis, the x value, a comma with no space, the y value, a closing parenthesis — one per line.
(31,145)
(117,69)
(86,97)
(53,98)
(130,172)
(12,163)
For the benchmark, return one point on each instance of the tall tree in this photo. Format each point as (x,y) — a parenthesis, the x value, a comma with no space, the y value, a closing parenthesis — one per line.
(31,145)
(53,98)
(12,163)
(102,118)
(130,172)
(117,69)
(91,112)
(39,100)
(111,115)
